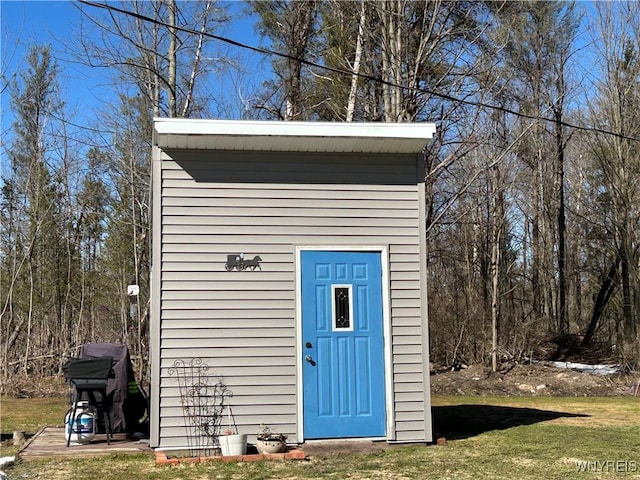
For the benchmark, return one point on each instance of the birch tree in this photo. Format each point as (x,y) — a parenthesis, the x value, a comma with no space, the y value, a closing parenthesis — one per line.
(150,52)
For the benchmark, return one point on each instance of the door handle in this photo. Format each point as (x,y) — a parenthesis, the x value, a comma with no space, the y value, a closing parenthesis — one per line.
(309,359)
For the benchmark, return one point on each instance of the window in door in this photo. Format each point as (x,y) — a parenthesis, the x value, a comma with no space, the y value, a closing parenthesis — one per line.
(342,308)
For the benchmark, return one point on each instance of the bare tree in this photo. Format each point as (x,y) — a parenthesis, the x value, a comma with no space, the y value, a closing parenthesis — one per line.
(142,41)
(617,158)
(37,257)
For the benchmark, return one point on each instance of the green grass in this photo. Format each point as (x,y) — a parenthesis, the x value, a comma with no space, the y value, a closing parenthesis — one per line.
(489,437)
(28,415)
(31,414)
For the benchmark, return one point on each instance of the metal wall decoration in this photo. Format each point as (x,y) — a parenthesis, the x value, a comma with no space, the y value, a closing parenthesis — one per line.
(202,395)
(239,263)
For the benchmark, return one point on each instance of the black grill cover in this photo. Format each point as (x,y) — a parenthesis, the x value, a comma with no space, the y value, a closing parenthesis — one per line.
(128,405)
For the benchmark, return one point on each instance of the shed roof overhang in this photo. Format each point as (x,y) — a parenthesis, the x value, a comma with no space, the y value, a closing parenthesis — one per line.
(244,135)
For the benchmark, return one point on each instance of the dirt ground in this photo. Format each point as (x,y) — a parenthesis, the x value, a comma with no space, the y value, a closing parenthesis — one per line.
(541,378)
(537,379)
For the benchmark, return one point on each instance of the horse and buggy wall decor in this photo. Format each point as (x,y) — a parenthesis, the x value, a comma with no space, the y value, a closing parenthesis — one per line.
(239,263)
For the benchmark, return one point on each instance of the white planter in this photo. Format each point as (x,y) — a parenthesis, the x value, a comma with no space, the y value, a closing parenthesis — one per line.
(271,446)
(233,445)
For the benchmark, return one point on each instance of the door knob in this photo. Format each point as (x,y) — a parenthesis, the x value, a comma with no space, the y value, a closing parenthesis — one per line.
(310,360)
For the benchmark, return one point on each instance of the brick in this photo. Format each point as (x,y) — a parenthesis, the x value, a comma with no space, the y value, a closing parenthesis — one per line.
(293,454)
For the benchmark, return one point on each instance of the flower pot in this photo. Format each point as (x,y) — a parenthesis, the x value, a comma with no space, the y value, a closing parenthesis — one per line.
(233,445)
(271,445)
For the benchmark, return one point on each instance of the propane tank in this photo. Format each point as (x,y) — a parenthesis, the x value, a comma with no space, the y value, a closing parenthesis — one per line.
(84,423)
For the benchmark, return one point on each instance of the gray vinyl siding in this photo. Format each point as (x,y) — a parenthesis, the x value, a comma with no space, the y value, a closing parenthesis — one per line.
(243,324)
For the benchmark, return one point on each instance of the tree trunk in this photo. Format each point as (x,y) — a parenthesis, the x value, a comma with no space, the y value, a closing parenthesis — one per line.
(196,62)
(495,290)
(173,59)
(351,103)
(604,294)
(563,315)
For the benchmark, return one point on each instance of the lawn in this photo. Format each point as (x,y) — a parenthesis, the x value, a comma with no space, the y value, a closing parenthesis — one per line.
(28,415)
(488,437)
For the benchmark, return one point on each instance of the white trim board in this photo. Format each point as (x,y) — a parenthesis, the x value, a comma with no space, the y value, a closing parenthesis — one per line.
(386,324)
(246,135)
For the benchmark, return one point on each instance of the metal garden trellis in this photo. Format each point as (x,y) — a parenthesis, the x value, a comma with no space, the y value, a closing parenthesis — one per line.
(202,396)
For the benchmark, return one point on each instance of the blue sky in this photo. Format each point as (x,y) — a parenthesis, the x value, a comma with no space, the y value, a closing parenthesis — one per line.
(25,23)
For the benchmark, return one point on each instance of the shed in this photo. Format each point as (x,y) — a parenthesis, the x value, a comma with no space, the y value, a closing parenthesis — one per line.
(291,258)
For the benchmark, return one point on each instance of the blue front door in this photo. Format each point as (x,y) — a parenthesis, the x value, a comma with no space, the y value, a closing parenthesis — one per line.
(342,345)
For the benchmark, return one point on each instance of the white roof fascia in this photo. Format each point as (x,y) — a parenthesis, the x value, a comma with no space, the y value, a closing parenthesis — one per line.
(292,136)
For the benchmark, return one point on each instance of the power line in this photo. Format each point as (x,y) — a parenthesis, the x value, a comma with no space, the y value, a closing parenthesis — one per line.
(444,96)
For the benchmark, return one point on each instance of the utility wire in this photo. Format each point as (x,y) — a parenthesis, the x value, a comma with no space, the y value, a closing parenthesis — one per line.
(364,76)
